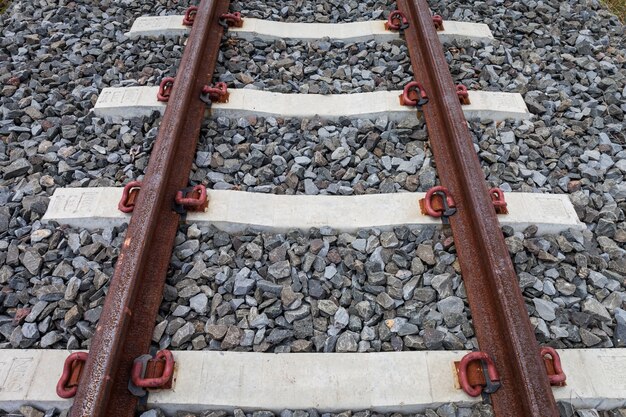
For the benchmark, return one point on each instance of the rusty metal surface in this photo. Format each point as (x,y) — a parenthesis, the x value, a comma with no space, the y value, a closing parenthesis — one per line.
(500,317)
(125,327)
(475,374)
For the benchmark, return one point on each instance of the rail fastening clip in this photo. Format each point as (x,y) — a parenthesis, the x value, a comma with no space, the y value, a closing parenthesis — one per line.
(191,199)
(214,93)
(463,94)
(72,368)
(438,202)
(165,89)
(152,373)
(497,198)
(414,94)
(438,21)
(129,196)
(229,20)
(488,369)
(190,15)
(397,21)
(556,376)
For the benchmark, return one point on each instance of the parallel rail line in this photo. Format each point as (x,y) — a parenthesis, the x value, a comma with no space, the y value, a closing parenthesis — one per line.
(125,327)
(500,317)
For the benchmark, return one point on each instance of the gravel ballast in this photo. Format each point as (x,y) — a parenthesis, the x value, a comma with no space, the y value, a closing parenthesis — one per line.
(318,67)
(567,59)
(445,410)
(308,156)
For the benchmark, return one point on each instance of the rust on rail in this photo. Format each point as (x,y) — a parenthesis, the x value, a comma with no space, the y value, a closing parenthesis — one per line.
(500,317)
(125,327)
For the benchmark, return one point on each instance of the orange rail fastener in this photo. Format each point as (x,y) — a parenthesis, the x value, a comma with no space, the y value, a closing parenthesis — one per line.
(397,21)
(556,376)
(129,195)
(414,94)
(165,88)
(231,20)
(493,382)
(190,15)
(68,383)
(463,94)
(142,381)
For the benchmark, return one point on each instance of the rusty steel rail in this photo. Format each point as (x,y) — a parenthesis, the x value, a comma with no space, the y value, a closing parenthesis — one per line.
(125,327)
(499,314)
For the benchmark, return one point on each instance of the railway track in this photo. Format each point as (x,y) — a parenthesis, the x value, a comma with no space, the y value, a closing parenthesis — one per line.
(510,369)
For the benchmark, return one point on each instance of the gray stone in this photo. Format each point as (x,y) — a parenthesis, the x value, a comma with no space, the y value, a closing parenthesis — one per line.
(545,309)
(443,285)
(243,286)
(28,411)
(232,338)
(32,261)
(347,342)
(433,339)
(340,153)
(280,269)
(619,335)
(216,331)
(359,244)
(16,168)
(385,300)
(267,286)
(183,335)
(199,303)
(408,329)
(50,339)
(364,309)
(327,306)
(259,321)
(594,308)
(30,331)
(278,335)
(297,314)
(388,240)
(588,338)
(451,305)
(341,318)
(310,188)
(39,235)
(71,291)
(396,324)
(426,254)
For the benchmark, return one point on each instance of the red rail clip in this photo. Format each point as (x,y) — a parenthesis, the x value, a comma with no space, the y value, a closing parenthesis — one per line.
(556,376)
(232,20)
(140,378)
(497,198)
(68,383)
(442,206)
(397,21)
(165,88)
(463,94)
(217,92)
(438,21)
(492,377)
(192,199)
(129,196)
(414,94)
(190,15)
